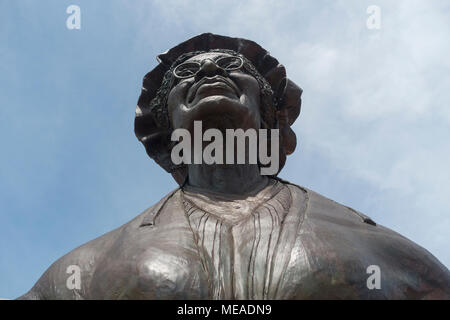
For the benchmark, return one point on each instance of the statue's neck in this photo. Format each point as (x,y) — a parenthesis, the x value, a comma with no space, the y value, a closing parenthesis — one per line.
(240,179)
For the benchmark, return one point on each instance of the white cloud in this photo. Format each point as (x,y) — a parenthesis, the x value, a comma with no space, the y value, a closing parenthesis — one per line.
(376,103)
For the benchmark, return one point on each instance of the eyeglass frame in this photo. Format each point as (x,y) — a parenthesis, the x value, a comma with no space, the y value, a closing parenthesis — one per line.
(215,62)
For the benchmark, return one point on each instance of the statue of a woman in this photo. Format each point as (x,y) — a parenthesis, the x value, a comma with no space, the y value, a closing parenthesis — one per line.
(229,232)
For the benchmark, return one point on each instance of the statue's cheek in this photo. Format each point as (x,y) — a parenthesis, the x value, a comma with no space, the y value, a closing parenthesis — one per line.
(177,102)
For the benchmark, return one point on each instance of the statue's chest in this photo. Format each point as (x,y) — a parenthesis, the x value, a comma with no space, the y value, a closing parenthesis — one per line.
(239,259)
(201,256)
(215,260)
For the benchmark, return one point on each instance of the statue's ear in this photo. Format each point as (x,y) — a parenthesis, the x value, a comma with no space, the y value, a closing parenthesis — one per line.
(289,105)
(290,101)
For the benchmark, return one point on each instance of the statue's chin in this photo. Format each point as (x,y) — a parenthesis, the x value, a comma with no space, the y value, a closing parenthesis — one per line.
(216,89)
(215,111)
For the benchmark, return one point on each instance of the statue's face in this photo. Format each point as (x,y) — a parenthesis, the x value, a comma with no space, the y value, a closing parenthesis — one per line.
(220,99)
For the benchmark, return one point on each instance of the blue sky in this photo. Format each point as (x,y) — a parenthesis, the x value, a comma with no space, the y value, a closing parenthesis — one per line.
(373,133)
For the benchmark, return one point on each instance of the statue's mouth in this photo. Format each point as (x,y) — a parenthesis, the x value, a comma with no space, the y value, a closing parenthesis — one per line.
(211,86)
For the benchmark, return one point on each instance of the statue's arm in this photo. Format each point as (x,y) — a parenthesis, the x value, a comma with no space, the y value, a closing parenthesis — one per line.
(341,237)
(70,276)
(414,271)
(435,277)
(52,284)
(41,290)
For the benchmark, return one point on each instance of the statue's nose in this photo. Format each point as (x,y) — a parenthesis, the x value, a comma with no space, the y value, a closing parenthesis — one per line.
(209,67)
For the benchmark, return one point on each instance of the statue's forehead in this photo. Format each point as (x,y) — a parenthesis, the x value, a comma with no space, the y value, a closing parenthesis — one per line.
(208,55)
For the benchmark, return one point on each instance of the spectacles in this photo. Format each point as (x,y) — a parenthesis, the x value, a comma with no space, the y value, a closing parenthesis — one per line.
(191,68)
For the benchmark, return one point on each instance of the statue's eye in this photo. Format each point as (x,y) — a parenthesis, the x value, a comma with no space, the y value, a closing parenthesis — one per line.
(186,70)
(229,63)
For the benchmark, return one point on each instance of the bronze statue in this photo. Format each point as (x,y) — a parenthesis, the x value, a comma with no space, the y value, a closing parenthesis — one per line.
(229,232)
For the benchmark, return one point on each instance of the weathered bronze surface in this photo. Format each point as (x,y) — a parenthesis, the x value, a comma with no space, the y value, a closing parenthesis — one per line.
(228,232)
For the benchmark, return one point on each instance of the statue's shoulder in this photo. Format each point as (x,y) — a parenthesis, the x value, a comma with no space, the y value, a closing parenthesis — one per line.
(53,284)
(340,239)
